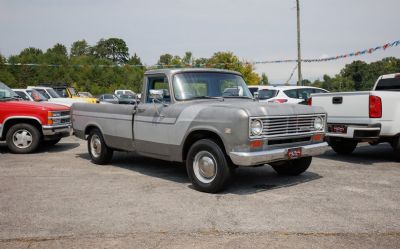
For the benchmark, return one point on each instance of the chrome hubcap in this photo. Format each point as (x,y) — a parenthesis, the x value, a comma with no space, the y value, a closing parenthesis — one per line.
(205,166)
(22,138)
(95,146)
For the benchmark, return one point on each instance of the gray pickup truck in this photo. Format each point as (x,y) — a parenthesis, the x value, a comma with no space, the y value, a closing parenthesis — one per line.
(208,119)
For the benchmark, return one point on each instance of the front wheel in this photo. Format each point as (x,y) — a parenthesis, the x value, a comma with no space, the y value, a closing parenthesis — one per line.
(23,138)
(99,152)
(342,146)
(293,167)
(208,167)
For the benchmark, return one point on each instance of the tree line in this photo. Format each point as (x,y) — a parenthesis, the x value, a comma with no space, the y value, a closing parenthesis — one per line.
(107,66)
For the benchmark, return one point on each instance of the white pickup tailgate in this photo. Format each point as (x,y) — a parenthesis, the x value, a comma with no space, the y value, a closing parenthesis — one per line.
(344,107)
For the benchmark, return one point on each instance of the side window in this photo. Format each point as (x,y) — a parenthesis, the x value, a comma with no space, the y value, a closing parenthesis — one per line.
(158,83)
(291,93)
(305,93)
(22,95)
(319,91)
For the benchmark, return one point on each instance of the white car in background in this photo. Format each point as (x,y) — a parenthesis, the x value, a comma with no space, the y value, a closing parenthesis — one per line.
(285,94)
(53,96)
(30,95)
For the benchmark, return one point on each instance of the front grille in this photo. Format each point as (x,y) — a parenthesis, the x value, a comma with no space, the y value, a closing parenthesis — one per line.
(278,126)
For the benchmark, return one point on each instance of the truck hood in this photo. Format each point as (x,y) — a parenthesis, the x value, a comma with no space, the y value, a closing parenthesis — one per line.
(66,101)
(39,105)
(259,109)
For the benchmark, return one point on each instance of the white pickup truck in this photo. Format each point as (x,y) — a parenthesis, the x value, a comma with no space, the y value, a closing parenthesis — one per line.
(371,116)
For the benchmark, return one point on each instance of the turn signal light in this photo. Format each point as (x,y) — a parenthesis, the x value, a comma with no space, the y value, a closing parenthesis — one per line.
(375,107)
(317,138)
(256,144)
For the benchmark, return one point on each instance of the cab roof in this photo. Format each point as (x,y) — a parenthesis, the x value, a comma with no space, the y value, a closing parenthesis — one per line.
(171,71)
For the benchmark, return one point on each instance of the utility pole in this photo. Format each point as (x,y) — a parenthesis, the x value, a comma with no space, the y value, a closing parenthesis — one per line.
(300,79)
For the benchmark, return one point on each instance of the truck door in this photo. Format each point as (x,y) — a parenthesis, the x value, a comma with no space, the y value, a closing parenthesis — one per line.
(151,121)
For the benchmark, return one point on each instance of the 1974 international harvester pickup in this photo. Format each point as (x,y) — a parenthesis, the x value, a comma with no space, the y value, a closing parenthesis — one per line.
(208,119)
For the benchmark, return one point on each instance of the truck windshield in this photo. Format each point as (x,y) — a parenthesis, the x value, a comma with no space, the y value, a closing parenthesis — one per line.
(6,93)
(37,96)
(392,84)
(199,85)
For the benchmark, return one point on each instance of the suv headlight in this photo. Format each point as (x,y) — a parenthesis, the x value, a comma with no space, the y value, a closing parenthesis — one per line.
(256,127)
(318,123)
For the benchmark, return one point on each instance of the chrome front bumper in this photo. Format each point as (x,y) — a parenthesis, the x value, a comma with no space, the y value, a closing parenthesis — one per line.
(263,157)
(58,131)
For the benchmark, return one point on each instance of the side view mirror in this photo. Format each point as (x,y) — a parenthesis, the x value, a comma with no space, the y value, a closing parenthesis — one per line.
(256,96)
(156,95)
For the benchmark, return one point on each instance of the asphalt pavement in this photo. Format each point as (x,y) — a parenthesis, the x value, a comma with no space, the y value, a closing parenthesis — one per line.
(56,198)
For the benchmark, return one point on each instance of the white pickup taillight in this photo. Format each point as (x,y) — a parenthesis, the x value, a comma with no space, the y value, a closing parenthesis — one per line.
(375,107)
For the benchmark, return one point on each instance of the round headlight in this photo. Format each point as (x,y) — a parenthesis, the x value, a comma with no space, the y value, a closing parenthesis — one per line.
(318,123)
(256,127)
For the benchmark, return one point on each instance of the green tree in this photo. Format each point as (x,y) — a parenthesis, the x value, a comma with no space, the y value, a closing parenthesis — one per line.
(114,49)
(264,79)
(187,59)
(79,48)
(135,60)
(165,59)
(227,60)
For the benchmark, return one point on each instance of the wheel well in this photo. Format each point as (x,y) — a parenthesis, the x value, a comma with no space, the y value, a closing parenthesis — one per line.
(198,135)
(12,122)
(89,128)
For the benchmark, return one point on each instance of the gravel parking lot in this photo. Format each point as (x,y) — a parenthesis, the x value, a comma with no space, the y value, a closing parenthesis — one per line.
(58,198)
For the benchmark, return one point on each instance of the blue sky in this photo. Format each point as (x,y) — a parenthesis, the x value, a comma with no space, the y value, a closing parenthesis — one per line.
(253,29)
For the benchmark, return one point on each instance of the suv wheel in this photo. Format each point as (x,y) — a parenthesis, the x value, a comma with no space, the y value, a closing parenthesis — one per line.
(293,167)
(342,146)
(23,138)
(208,167)
(98,150)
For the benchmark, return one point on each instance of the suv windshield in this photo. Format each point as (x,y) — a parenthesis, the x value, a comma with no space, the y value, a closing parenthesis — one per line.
(392,84)
(209,85)
(6,93)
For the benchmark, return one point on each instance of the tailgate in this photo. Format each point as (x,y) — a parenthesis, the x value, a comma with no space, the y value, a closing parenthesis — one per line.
(344,107)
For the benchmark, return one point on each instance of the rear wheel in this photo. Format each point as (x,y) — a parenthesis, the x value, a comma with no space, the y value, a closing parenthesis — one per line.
(23,138)
(396,147)
(208,167)
(342,146)
(98,150)
(293,167)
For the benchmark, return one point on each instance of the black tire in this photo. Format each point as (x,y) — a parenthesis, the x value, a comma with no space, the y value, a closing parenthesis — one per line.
(30,138)
(99,152)
(292,167)
(396,148)
(51,142)
(342,146)
(206,151)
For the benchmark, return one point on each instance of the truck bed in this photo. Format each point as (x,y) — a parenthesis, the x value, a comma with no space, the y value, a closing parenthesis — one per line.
(114,121)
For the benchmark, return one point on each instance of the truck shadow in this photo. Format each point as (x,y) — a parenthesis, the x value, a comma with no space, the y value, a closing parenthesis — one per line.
(60,147)
(246,180)
(365,154)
